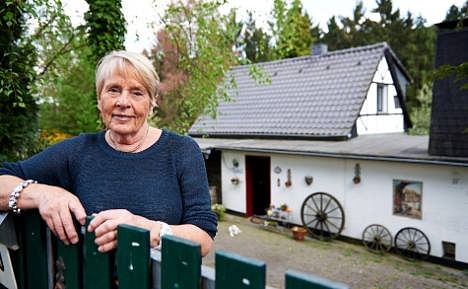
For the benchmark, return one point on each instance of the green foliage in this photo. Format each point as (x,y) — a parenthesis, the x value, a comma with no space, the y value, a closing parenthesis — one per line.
(421,116)
(64,87)
(459,71)
(292,30)
(70,103)
(455,13)
(106,27)
(18,110)
(256,42)
(193,56)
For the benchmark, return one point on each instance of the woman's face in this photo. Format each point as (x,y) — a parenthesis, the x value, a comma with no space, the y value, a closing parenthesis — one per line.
(124,104)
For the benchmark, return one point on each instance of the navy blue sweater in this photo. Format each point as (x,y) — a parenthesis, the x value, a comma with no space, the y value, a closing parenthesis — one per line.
(165,182)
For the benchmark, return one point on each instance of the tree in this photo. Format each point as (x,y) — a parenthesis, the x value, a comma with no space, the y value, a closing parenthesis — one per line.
(18,117)
(455,13)
(106,26)
(292,30)
(421,117)
(64,85)
(194,53)
(256,42)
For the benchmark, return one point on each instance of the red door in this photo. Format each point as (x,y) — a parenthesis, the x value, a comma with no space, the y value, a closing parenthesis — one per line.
(258,190)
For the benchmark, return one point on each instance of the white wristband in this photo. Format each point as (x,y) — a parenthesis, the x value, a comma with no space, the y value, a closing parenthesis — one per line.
(165,230)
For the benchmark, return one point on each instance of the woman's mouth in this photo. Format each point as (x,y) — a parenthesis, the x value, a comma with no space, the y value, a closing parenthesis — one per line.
(121,117)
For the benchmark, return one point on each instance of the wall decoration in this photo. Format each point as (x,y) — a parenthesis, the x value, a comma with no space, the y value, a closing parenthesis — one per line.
(357,173)
(308,180)
(288,183)
(277,170)
(407,198)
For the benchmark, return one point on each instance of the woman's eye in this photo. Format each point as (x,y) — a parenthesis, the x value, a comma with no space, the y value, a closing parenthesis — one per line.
(138,93)
(113,90)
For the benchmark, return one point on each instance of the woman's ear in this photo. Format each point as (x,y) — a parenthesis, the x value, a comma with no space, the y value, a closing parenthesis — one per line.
(98,105)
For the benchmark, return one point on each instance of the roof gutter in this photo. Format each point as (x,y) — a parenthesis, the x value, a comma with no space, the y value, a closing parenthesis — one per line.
(271,136)
(344,156)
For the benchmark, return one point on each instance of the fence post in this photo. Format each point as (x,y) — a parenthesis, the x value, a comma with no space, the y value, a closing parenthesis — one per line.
(133,257)
(180,263)
(98,267)
(68,263)
(236,272)
(299,280)
(34,250)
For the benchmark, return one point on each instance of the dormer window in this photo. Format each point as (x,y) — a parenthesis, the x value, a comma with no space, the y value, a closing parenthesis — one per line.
(382,101)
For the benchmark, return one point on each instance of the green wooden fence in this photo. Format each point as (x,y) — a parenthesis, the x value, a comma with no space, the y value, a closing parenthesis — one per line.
(43,262)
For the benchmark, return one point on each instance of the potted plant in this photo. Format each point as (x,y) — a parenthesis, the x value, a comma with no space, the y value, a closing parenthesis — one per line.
(219,210)
(284,207)
(299,233)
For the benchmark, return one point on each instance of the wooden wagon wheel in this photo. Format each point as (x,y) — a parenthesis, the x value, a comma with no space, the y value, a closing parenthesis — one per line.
(377,238)
(413,243)
(323,216)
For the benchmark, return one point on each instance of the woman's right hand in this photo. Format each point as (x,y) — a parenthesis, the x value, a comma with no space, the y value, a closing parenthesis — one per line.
(56,206)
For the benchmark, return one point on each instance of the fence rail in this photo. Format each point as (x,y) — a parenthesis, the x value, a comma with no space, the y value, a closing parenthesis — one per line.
(43,262)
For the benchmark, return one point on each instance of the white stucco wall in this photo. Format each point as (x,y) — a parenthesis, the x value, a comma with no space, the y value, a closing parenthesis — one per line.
(444,197)
(370,121)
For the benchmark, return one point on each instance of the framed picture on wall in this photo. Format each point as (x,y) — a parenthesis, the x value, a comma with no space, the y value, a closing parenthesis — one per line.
(407,198)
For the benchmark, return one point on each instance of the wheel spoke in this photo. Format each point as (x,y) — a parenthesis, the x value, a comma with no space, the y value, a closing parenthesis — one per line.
(313,220)
(328,203)
(315,204)
(334,209)
(314,210)
(333,225)
(326,226)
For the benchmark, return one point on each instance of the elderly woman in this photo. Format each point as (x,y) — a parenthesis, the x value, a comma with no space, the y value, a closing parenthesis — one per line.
(131,173)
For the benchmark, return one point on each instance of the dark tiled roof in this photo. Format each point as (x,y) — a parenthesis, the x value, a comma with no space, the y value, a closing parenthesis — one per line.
(310,97)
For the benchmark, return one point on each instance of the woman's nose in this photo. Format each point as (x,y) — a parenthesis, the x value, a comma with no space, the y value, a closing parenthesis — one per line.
(123,99)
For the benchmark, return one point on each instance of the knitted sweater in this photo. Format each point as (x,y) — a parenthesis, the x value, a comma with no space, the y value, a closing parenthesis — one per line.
(165,182)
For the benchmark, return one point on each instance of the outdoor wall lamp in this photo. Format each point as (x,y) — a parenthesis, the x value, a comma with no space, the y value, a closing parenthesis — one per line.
(357,173)
(308,180)
(235,180)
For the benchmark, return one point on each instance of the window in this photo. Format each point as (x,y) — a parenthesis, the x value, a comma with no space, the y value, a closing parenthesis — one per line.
(381,98)
(448,250)
(397,101)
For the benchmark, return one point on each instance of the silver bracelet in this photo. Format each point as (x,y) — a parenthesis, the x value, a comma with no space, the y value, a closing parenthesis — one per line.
(14,195)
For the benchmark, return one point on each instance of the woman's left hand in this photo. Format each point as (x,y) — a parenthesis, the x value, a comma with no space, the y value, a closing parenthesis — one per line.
(104,225)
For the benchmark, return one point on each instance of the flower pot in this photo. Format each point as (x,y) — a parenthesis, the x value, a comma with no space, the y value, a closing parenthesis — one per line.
(298,233)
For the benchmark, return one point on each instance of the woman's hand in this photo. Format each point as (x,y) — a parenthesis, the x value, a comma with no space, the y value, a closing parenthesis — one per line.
(55,206)
(104,225)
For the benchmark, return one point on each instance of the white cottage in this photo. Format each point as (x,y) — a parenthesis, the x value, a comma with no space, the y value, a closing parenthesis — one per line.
(327,138)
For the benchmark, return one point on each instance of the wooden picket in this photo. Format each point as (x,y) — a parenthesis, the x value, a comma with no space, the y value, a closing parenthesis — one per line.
(178,265)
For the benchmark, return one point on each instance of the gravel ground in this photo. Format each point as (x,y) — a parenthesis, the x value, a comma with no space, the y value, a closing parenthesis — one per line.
(337,260)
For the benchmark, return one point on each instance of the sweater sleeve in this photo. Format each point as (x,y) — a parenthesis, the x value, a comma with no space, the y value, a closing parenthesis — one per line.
(194,188)
(50,166)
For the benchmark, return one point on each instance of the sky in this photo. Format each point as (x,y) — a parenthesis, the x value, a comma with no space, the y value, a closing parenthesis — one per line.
(142,15)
